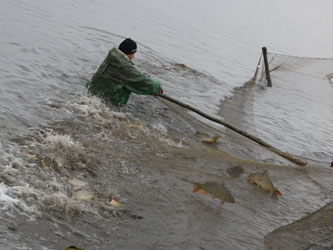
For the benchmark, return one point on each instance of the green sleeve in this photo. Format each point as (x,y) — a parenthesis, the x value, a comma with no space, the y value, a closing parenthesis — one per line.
(139,83)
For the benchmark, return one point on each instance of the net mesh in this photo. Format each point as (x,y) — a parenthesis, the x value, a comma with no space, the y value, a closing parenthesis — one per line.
(310,67)
(296,113)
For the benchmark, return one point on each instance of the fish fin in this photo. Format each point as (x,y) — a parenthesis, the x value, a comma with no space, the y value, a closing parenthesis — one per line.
(196,188)
(213,197)
(222,202)
(277,192)
(204,191)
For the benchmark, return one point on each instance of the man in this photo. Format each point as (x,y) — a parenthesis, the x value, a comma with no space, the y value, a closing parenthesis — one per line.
(117,77)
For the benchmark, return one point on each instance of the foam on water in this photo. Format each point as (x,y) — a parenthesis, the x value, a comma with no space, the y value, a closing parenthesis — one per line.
(88,106)
(63,140)
(11,200)
(51,155)
(5,200)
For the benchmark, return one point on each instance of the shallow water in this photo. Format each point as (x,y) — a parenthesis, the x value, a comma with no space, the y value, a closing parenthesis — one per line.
(64,153)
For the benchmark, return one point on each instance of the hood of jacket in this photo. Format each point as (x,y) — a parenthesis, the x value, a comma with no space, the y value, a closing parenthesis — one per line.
(118,59)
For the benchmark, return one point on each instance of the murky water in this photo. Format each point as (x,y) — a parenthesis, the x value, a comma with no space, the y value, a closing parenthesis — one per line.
(64,154)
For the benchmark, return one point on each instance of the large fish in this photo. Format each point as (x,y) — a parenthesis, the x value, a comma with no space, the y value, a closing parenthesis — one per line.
(216,189)
(263,181)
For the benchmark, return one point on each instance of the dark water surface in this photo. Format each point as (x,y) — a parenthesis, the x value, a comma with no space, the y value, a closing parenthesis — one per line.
(63,153)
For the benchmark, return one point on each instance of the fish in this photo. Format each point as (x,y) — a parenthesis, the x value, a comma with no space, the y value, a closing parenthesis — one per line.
(216,189)
(47,162)
(330,77)
(235,171)
(83,195)
(206,138)
(210,140)
(72,247)
(263,181)
(114,202)
(60,161)
(36,158)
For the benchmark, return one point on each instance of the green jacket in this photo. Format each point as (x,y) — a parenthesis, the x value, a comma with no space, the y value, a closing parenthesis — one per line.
(117,77)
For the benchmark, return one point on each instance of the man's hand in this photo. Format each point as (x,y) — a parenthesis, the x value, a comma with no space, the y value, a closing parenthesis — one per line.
(160,93)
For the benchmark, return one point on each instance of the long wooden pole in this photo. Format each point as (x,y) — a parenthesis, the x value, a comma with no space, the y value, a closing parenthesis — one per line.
(239,131)
(268,77)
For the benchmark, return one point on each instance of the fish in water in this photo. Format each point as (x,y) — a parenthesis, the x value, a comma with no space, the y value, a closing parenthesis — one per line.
(210,140)
(73,248)
(55,163)
(114,202)
(235,171)
(263,181)
(207,138)
(216,189)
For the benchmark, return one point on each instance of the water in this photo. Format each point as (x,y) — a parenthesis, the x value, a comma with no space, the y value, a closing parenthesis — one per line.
(63,153)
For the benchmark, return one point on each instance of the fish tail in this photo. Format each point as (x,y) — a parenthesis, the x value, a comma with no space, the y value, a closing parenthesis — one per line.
(196,188)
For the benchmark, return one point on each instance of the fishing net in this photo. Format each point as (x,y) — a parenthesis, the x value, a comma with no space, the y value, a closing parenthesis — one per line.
(304,70)
(295,114)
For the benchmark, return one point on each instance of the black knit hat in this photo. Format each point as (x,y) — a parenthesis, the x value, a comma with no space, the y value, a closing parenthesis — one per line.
(128,46)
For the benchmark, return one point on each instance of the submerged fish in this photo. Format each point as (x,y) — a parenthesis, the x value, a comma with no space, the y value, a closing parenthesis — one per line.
(60,161)
(83,195)
(235,171)
(73,248)
(216,189)
(263,181)
(114,202)
(211,140)
(47,162)
(206,138)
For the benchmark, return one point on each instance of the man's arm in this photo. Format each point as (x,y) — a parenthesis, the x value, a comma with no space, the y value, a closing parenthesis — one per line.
(139,83)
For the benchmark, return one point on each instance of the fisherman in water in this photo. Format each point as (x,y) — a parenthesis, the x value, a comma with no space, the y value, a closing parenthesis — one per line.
(117,77)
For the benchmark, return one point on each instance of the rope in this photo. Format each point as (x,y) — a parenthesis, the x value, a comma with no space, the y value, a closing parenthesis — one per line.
(251,137)
(302,57)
